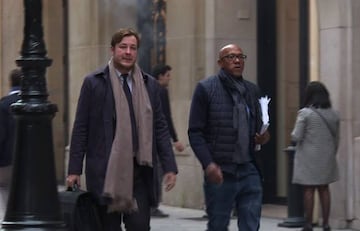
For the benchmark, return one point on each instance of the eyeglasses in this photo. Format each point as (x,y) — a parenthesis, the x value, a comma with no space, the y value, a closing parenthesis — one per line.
(233,57)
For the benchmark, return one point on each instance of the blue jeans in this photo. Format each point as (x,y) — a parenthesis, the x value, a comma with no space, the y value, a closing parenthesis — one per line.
(242,193)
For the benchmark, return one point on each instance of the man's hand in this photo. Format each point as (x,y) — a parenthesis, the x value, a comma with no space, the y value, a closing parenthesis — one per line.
(169,181)
(179,146)
(262,139)
(214,174)
(72,179)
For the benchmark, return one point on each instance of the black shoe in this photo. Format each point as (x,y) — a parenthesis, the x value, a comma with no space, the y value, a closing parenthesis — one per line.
(158,213)
(326,228)
(307,227)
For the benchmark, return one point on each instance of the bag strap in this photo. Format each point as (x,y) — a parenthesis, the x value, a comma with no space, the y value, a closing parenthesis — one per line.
(325,121)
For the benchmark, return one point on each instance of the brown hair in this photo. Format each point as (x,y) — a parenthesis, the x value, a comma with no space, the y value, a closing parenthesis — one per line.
(316,95)
(124,32)
(160,69)
(15,77)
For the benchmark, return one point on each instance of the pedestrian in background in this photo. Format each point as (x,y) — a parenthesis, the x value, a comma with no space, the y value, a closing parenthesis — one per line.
(224,126)
(162,73)
(7,136)
(120,127)
(316,133)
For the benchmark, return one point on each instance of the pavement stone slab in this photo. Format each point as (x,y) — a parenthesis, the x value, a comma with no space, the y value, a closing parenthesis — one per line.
(184,219)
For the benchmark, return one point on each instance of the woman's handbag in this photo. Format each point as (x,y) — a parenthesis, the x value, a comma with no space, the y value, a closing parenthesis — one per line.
(80,210)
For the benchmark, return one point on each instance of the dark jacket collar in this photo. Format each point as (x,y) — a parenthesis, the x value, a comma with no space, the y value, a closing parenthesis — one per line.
(224,74)
(104,73)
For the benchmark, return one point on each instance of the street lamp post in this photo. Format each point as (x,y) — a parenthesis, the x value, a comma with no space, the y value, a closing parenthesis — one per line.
(33,200)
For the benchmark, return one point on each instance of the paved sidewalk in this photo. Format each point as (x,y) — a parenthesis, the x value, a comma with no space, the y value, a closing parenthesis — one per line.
(182,219)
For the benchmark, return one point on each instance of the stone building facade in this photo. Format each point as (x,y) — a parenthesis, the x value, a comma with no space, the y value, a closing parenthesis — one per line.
(77,36)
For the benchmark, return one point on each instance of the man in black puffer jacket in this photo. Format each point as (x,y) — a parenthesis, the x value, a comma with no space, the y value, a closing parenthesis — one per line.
(224,125)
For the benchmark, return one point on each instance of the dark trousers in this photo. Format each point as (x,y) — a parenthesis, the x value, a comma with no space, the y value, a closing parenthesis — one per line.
(245,193)
(135,221)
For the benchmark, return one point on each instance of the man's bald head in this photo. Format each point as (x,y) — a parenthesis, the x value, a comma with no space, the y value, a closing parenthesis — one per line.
(232,60)
(224,50)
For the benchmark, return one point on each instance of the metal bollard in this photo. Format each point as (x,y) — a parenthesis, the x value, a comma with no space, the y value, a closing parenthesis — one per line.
(295,196)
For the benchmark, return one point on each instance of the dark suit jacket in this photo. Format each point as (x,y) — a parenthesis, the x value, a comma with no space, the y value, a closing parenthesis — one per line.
(7,127)
(94,128)
(165,103)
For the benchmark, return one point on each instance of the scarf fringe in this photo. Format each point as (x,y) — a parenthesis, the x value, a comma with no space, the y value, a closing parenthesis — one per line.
(122,205)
